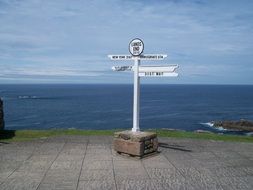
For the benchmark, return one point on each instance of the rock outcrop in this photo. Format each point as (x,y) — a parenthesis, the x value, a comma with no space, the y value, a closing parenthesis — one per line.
(203,131)
(241,125)
(1,115)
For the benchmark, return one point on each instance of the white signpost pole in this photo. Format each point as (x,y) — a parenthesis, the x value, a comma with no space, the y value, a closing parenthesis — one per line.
(136,47)
(136,104)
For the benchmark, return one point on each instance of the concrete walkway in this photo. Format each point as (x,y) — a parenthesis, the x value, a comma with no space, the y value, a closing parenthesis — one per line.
(80,162)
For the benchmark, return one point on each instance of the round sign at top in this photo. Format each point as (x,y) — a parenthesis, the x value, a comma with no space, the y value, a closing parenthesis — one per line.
(136,47)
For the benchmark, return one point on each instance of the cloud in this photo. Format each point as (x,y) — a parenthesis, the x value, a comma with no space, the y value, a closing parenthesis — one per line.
(226,48)
(47,73)
(62,38)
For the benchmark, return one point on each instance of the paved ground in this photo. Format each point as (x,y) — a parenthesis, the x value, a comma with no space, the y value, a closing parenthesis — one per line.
(72,162)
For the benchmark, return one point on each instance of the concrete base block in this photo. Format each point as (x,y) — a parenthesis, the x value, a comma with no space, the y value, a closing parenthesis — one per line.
(135,143)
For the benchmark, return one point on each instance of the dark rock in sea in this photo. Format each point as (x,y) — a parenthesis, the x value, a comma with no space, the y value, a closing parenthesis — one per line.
(170,129)
(1,115)
(241,125)
(203,131)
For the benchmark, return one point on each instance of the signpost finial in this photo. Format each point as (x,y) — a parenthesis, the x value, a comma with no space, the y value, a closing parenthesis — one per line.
(136,47)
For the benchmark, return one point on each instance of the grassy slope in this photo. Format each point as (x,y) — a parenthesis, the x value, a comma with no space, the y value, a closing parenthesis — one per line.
(209,136)
(23,135)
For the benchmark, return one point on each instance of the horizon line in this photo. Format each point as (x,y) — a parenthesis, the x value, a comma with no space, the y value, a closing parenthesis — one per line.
(200,84)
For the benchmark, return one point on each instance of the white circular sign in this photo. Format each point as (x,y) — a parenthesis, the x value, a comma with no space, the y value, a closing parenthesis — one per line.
(136,47)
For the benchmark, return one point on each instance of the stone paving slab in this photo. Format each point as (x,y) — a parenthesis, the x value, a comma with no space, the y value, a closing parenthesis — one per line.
(89,162)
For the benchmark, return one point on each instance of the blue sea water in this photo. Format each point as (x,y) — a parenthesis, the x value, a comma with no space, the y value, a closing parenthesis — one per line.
(187,107)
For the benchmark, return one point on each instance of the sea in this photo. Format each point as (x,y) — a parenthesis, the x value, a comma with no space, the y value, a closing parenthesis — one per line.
(109,106)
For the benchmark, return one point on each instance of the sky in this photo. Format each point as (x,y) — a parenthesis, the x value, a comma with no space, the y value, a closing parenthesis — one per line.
(62,41)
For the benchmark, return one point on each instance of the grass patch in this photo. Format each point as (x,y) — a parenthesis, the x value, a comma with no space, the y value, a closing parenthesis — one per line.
(207,136)
(25,135)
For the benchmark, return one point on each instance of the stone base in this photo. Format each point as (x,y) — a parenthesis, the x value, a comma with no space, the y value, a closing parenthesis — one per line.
(135,143)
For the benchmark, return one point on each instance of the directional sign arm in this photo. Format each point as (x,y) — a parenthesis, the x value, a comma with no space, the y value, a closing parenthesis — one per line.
(158,68)
(158,71)
(153,57)
(147,70)
(147,57)
(158,74)
(120,57)
(122,68)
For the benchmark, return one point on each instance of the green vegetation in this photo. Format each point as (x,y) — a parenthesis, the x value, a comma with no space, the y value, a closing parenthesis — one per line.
(207,136)
(24,135)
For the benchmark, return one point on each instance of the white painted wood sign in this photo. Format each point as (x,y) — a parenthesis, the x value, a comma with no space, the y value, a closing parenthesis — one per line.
(148,57)
(157,74)
(151,71)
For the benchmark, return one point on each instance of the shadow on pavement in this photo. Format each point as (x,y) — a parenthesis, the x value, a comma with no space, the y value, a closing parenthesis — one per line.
(174,147)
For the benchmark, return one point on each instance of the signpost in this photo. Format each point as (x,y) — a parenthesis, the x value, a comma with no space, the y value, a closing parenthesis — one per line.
(136,48)
(135,142)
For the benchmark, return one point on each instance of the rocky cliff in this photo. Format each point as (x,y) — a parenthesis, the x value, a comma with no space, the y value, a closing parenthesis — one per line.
(241,125)
(1,115)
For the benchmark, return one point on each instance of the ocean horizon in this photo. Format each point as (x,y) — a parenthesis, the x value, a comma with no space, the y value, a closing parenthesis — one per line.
(109,106)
